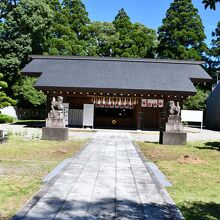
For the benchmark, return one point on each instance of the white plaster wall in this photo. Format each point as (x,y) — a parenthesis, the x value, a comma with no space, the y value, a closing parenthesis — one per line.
(10,110)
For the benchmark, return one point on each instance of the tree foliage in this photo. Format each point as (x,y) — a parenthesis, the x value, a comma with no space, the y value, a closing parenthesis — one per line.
(215,50)
(77,17)
(181,35)
(196,102)
(132,40)
(70,30)
(120,38)
(213,55)
(210,3)
(23,31)
(103,35)
(63,28)
(27,94)
(4,99)
(7,6)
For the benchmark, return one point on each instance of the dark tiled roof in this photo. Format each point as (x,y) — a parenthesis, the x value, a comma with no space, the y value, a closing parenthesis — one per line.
(116,73)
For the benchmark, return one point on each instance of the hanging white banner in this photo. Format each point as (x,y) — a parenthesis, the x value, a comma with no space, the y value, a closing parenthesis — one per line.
(154,103)
(143,103)
(150,102)
(160,103)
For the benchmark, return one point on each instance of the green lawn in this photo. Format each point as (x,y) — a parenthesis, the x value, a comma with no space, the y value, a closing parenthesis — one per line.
(194,171)
(23,164)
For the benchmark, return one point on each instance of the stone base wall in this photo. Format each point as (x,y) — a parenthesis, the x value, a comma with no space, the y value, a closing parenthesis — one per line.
(55,134)
(173,138)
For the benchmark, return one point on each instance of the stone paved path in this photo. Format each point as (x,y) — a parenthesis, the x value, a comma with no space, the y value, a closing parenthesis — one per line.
(107,180)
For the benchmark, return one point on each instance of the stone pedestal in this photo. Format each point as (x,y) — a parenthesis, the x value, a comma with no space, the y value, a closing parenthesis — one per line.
(173,138)
(55,134)
(55,123)
(173,134)
(55,129)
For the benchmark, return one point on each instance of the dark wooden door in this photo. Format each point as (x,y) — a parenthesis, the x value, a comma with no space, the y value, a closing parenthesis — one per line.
(150,118)
(115,118)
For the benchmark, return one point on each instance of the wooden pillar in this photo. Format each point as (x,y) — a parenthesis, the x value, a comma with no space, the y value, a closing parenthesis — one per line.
(139,115)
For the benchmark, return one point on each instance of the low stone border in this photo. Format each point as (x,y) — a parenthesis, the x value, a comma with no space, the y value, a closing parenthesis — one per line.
(176,214)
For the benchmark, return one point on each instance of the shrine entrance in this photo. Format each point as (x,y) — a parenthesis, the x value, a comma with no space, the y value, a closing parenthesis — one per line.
(120,118)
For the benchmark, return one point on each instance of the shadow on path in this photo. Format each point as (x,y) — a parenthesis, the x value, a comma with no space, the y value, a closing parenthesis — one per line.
(108,208)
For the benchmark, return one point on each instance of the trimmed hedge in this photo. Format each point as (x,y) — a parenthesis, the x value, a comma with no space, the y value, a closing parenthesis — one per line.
(6,119)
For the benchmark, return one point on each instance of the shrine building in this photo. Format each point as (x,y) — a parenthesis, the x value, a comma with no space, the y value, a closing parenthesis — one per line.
(106,92)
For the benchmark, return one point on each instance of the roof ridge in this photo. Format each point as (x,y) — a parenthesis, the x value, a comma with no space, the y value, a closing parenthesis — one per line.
(117,59)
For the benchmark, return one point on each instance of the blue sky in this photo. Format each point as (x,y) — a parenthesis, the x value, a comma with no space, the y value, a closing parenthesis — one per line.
(148,12)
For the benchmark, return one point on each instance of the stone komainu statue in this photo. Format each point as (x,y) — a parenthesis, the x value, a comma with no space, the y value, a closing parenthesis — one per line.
(57,105)
(174,109)
(57,108)
(55,123)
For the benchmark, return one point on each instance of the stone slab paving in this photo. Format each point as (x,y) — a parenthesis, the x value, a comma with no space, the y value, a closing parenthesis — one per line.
(107,180)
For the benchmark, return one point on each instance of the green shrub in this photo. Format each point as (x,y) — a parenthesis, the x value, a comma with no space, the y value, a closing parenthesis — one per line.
(6,119)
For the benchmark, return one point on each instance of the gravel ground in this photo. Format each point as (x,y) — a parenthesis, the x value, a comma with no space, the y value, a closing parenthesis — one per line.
(36,133)
(21,130)
(193,134)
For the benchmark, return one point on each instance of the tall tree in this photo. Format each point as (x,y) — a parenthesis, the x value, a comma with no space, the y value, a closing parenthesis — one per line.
(216,44)
(213,58)
(122,22)
(69,33)
(77,16)
(135,40)
(103,35)
(23,31)
(7,6)
(123,26)
(62,40)
(144,41)
(181,35)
